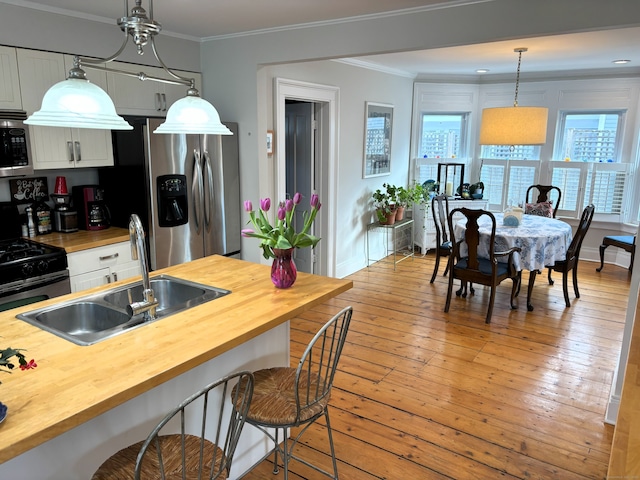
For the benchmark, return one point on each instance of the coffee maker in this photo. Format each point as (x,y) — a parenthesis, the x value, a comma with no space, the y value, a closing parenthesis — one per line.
(64,218)
(93,213)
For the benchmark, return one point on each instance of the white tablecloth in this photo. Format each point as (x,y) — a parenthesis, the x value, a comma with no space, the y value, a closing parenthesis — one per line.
(542,240)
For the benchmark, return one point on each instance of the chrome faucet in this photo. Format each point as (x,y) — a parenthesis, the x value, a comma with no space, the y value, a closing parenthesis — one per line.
(139,252)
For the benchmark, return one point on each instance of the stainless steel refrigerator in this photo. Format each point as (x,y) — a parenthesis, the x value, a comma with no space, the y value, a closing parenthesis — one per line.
(185,188)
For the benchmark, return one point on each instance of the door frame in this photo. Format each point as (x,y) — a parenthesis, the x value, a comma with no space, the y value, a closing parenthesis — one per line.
(326,98)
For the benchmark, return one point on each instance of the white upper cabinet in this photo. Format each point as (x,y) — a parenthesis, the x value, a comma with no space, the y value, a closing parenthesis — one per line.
(56,147)
(133,96)
(9,84)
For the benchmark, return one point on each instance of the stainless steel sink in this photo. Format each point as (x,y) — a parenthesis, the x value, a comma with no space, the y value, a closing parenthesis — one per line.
(96,317)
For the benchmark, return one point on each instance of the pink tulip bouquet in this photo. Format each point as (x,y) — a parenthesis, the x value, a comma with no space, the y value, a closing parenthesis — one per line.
(282,235)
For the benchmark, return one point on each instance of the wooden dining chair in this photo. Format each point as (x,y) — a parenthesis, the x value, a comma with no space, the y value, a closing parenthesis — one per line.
(625,242)
(296,397)
(209,427)
(440,211)
(570,263)
(471,268)
(545,195)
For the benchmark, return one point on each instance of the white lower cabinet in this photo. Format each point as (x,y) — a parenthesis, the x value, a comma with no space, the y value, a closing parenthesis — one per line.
(424,235)
(101,265)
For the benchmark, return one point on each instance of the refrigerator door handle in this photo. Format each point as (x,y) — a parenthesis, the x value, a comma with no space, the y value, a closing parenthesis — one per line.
(208,202)
(197,192)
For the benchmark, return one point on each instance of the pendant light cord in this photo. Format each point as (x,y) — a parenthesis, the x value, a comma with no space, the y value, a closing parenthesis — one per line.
(519,50)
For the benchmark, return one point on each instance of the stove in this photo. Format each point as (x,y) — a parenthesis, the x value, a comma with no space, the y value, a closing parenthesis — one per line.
(29,271)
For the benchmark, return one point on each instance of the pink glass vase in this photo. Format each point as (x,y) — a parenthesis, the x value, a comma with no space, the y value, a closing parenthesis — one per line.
(283,270)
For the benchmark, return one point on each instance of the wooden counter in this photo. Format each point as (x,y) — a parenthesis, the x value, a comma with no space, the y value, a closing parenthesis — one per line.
(625,450)
(84,239)
(73,384)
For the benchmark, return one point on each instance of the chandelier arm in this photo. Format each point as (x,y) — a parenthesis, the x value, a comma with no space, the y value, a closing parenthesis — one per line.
(143,76)
(89,60)
(183,80)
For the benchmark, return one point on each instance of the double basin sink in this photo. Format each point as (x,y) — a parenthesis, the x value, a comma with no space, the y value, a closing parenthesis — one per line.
(92,318)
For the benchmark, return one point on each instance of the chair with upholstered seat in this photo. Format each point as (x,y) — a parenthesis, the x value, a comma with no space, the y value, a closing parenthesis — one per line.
(543,201)
(440,211)
(296,397)
(570,263)
(625,242)
(471,267)
(208,427)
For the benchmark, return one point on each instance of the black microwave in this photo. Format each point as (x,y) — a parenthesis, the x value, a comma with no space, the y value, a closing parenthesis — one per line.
(15,158)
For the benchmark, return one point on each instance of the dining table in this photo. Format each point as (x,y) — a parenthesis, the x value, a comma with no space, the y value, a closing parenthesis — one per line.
(542,242)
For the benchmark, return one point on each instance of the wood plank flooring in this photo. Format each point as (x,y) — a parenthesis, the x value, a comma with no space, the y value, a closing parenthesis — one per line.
(423,394)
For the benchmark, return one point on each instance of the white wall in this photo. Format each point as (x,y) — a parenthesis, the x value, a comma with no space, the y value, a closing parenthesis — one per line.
(356,86)
(234,81)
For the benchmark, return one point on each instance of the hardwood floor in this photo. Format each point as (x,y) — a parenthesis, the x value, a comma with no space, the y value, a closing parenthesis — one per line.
(421,394)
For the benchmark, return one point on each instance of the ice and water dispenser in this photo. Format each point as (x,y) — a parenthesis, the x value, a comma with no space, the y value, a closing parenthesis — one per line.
(173,208)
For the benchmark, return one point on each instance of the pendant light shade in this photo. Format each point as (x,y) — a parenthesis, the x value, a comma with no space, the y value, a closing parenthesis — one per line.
(193,114)
(78,103)
(514,126)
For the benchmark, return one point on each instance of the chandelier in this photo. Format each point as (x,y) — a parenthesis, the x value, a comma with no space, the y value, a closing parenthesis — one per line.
(514,125)
(78,103)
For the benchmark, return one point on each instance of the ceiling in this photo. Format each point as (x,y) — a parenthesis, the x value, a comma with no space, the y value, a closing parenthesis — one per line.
(202,19)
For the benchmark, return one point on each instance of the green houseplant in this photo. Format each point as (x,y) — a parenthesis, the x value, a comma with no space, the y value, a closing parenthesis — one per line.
(385,202)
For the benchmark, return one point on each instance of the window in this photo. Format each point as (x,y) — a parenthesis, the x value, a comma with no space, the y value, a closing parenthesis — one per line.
(506,182)
(590,137)
(443,135)
(592,172)
(513,152)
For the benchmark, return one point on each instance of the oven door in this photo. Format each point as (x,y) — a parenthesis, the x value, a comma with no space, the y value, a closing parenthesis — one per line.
(34,290)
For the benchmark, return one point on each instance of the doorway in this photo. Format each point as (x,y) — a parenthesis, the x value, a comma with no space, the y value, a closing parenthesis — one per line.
(300,169)
(323,101)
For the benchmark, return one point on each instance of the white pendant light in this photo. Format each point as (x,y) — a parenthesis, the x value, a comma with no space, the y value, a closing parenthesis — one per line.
(193,114)
(514,125)
(77,103)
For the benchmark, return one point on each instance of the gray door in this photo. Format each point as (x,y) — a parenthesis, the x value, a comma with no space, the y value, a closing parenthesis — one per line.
(300,168)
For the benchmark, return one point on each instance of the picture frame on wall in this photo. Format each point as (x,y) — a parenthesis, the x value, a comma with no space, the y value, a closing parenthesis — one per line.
(378,128)
(269,142)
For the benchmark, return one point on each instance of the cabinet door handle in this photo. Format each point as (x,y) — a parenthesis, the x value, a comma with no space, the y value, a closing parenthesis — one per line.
(78,151)
(108,257)
(108,278)
(115,277)
(70,148)
(158,102)
(164,102)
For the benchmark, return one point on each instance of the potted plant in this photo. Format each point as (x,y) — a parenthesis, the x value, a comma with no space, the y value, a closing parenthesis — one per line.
(385,202)
(404,197)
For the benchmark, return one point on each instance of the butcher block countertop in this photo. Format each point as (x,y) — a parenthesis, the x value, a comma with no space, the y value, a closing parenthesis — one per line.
(625,450)
(84,239)
(73,384)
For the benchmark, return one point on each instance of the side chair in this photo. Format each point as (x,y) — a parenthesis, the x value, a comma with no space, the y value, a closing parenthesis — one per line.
(544,195)
(625,242)
(440,211)
(209,426)
(472,268)
(570,263)
(286,397)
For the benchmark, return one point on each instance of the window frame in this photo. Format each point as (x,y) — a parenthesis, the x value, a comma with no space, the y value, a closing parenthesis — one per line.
(464,147)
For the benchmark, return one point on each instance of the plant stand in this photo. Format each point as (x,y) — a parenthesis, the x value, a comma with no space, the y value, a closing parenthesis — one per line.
(397,240)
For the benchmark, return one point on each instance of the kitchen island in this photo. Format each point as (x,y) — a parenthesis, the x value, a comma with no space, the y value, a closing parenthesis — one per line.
(83,403)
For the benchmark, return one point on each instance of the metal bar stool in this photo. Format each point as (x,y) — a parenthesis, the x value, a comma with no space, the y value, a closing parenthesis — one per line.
(209,427)
(290,397)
